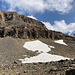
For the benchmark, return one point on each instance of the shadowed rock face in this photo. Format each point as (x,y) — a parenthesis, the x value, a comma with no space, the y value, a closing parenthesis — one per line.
(70,72)
(19,26)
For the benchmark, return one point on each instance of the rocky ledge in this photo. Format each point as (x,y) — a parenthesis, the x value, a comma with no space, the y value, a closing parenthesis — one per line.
(62,67)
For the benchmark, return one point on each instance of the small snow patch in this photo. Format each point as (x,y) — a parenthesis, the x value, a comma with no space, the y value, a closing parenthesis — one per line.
(60,42)
(51,46)
(37,46)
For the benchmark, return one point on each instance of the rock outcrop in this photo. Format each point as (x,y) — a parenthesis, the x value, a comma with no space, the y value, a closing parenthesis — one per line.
(19,26)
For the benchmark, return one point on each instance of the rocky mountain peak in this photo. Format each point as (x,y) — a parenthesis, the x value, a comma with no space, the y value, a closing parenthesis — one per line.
(19,26)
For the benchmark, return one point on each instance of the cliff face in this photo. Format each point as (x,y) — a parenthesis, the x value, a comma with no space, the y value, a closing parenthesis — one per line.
(19,26)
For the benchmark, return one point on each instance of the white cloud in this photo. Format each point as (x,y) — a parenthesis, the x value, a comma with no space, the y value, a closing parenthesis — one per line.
(48,25)
(32,6)
(61,26)
(32,17)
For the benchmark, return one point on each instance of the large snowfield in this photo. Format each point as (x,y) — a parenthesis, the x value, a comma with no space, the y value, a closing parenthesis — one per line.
(43,49)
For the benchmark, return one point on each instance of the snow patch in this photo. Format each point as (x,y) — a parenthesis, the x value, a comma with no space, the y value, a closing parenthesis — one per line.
(51,46)
(60,42)
(44,48)
(43,57)
(37,46)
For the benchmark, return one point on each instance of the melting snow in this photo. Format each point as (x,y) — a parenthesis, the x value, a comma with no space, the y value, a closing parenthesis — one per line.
(60,42)
(42,57)
(37,45)
(51,46)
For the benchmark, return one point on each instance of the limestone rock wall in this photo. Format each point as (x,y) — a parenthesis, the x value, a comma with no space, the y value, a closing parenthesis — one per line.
(19,26)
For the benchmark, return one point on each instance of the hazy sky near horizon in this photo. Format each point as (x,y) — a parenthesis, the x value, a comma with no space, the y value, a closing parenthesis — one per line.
(58,15)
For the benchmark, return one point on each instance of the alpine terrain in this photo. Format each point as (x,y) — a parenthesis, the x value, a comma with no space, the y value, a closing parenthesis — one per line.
(27,47)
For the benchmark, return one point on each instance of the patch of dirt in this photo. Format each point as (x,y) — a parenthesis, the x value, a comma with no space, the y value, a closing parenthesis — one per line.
(12,49)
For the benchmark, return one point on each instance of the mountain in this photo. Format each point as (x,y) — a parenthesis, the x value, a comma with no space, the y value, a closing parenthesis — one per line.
(72,33)
(19,26)
(27,47)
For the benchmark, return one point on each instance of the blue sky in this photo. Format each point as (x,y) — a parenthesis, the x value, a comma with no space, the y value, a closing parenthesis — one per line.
(58,15)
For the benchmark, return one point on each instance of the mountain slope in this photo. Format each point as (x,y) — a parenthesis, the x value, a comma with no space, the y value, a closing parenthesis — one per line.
(11,50)
(16,30)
